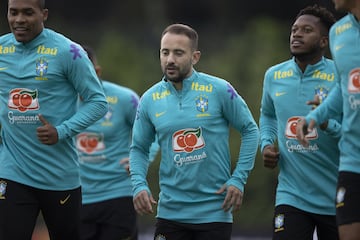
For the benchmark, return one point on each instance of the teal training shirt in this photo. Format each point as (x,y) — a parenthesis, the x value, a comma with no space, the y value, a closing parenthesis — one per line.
(345,49)
(192,127)
(45,76)
(307,175)
(102,145)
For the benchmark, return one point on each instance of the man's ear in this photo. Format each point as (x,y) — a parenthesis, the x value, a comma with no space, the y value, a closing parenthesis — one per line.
(196,57)
(324,41)
(45,14)
(98,70)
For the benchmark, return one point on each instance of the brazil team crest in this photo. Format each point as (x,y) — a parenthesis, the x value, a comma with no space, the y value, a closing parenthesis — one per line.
(202,104)
(3,185)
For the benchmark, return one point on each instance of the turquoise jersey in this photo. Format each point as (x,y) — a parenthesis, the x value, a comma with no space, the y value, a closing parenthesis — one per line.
(307,175)
(102,145)
(345,49)
(45,76)
(192,127)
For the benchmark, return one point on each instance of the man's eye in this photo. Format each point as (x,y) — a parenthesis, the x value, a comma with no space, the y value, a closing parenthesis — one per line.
(179,53)
(29,13)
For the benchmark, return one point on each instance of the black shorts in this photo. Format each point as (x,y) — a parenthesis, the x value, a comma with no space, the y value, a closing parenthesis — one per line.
(109,220)
(166,229)
(20,206)
(348,198)
(292,223)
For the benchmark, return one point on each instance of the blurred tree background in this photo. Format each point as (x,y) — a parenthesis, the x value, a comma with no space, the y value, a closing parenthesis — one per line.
(239,40)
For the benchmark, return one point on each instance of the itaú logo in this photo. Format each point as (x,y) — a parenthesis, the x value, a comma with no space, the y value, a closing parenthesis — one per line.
(23,99)
(290,130)
(187,140)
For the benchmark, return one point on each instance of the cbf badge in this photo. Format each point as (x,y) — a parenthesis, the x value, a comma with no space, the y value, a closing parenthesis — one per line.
(340,196)
(322,93)
(3,185)
(160,237)
(279,223)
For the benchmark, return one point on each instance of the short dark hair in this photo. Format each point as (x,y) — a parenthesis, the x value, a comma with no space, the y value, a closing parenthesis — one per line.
(326,17)
(41,4)
(186,30)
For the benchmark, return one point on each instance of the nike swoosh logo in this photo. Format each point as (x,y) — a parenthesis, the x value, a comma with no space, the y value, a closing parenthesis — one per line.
(62,202)
(278,94)
(338,47)
(3,68)
(160,114)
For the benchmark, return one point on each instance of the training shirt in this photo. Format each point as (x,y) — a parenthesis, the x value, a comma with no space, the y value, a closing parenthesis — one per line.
(307,175)
(45,76)
(345,49)
(192,127)
(102,145)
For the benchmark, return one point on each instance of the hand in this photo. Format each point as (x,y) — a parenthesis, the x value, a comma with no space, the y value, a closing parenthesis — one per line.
(270,156)
(233,198)
(143,203)
(47,134)
(315,103)
(302,128)
(125,162)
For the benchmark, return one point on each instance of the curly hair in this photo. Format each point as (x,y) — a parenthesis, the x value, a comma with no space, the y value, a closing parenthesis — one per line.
(326,17)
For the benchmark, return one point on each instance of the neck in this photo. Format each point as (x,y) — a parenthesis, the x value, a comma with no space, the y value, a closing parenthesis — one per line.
(356,12)
(303,61)
(178,85)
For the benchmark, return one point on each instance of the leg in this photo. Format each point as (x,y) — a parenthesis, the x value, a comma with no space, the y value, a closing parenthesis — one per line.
(113,225)
(166,229)
(18,208)
(218,230)
(350,231)
(89,226)
(326,227)
(61,212)
(292,223)
(347,206)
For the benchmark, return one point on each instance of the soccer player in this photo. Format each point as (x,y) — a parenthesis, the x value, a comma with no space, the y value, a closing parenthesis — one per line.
(190,112)
(42,74)
(345,100)
(307,177)
(108,211)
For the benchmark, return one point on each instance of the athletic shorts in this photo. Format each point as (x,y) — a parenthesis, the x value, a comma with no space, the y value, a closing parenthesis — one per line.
(348,198)
(20,206)
(171,230)
(295,224)
(109,220)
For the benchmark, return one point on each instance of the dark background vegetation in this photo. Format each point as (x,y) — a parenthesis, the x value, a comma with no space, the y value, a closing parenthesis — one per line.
(239,40)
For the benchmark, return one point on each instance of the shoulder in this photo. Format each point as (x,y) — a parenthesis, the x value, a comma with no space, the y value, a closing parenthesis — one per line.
(329,62)
(210,80)
(159,88)
(286,66)
(6,38)
(63,45)
(220,87)
(117,89)
(281,66)
(56,38)
(342,25)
